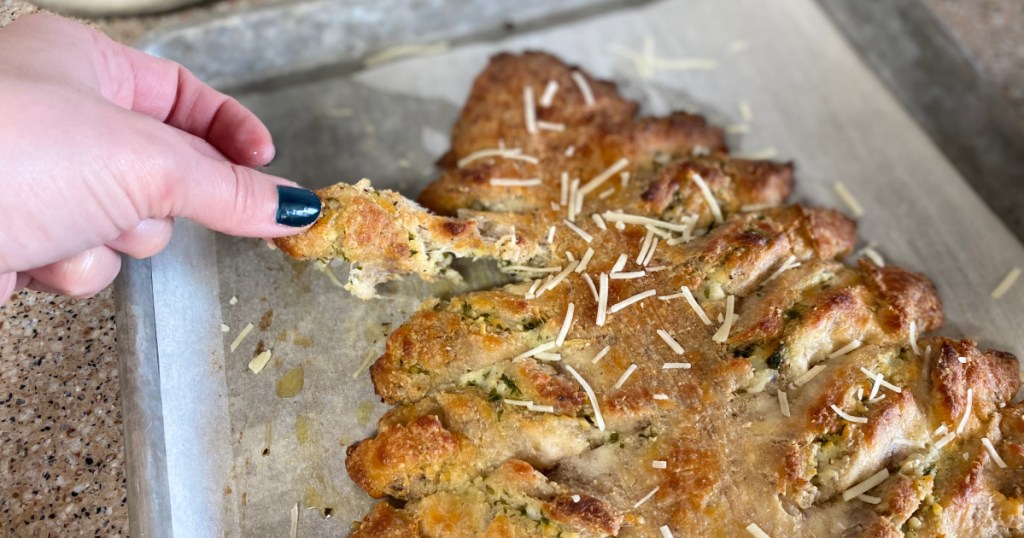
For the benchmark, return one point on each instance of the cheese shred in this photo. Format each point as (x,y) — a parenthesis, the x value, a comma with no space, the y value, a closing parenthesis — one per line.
(602,301)
(1008,281)
(723,332)
(548,96)
(847,197)
(756,531)
(241,336)
(634,299)
(672,343)
(784,403)
(529,110)
(967,412)
(716,211)
(564,332)
(598,418)
(847,416)
(584,86)
(625,375)
(992,452)
(866,485)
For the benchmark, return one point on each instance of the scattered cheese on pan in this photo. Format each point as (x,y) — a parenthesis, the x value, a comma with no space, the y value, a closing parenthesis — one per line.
(545,356)
(560,276)
(967,412)
(665,532)
(619,263)
(628,275)
(241,336)
(723,332)
(866,485)
(758,155)
(294,515)
(566,324)
(233,301)
(634,299)
(593,288)
(548,95)
(598,419)
(549,126)
(847,197)
(756,531)
(869,498)
(913,338)
(529,110)
(809,375)
(672,343)
(847,416)
(570,150)
(1008,281)
(625,375)
(602,302)
(510,153)
(716,211)
(660,396)
(224,328)
(547,346)
(746,112)
(575,498)
(584,86)
(585,260)
(784,403)
(675,366)
(579,231)
(789,263)
(646,497)
(600,354)
(259,362)
(513,182)
(992,452)
(659,464)
(946,439)
(845,349)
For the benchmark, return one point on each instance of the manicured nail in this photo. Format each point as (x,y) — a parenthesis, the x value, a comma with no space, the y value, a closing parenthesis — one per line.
(296,207)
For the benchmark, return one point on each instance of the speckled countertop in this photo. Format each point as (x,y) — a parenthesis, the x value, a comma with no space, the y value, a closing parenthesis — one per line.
(61,444)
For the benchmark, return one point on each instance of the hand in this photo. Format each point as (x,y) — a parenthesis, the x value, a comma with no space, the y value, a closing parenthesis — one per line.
(102,145)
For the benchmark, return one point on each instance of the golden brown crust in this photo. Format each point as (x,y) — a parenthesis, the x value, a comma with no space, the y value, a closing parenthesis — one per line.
(492,439)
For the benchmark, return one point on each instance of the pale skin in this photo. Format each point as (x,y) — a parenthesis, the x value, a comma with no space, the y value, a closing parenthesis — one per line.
(101,146)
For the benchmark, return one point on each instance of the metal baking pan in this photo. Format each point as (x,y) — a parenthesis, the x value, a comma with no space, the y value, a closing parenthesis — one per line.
(214,449)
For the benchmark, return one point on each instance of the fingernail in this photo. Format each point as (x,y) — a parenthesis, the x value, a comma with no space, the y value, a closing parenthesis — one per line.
(296,207)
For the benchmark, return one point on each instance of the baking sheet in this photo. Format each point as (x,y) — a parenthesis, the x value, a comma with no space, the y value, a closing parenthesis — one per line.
(813,101)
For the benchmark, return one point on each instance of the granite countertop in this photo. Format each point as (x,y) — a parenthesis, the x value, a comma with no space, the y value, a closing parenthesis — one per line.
(61,444)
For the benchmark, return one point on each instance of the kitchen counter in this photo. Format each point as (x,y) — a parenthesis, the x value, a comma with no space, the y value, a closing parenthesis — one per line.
(61,445)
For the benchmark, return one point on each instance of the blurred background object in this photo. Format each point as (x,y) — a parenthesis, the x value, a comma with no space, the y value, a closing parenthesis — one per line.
(114,7)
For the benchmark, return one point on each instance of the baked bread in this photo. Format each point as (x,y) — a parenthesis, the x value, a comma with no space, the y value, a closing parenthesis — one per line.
(693,360)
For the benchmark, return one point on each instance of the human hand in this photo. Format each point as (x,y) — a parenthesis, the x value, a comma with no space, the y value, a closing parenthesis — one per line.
(102,145)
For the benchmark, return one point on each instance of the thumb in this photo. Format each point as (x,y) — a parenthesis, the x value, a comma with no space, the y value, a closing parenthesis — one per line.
(238,200)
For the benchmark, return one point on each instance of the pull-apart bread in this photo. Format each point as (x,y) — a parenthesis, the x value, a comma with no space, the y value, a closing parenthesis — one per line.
(683,355)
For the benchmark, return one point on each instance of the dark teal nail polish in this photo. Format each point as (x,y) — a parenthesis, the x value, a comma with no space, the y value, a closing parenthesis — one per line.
(296,207)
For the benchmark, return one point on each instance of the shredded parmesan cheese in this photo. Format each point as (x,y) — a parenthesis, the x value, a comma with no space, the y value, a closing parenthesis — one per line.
(675,366)
(913,338)
(870,253)
(598,418)
(224,328)
(845,349)
(638,219)
(599,221)
(628,276)
(533,289)
(547,346)
(659,464)
(650,252)
(946,439)
(809,375)
(992,452)
(756,531)
(560,276)
(570,150)
(600,354)
(967,412)
(624,179)
(1008,281)
(550,357)
(757,207)
(241,336)
(672,343)
(605,194)
(847,197)
(880,380)
(660,396)
(520,403)
(758,155)
(585,260)
(548,95)
(584,86)
(593,288)
(723,332)
(940,430)
(909,442)
(575,498)
(787,264)
(619,263)
(869,498)
(784,403)
(716,211)
(602,302)
(529,110)
(549,126)
(665,531)
(233,301)
(511,153)
(565,325)
(564,191)
(541,408)
(512,182)
(646,497)
(551,234)
(259,362)
(579,231)
(866,485)
(847,416)
(634,299)
(625,375)
(599,179)
(528,269)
